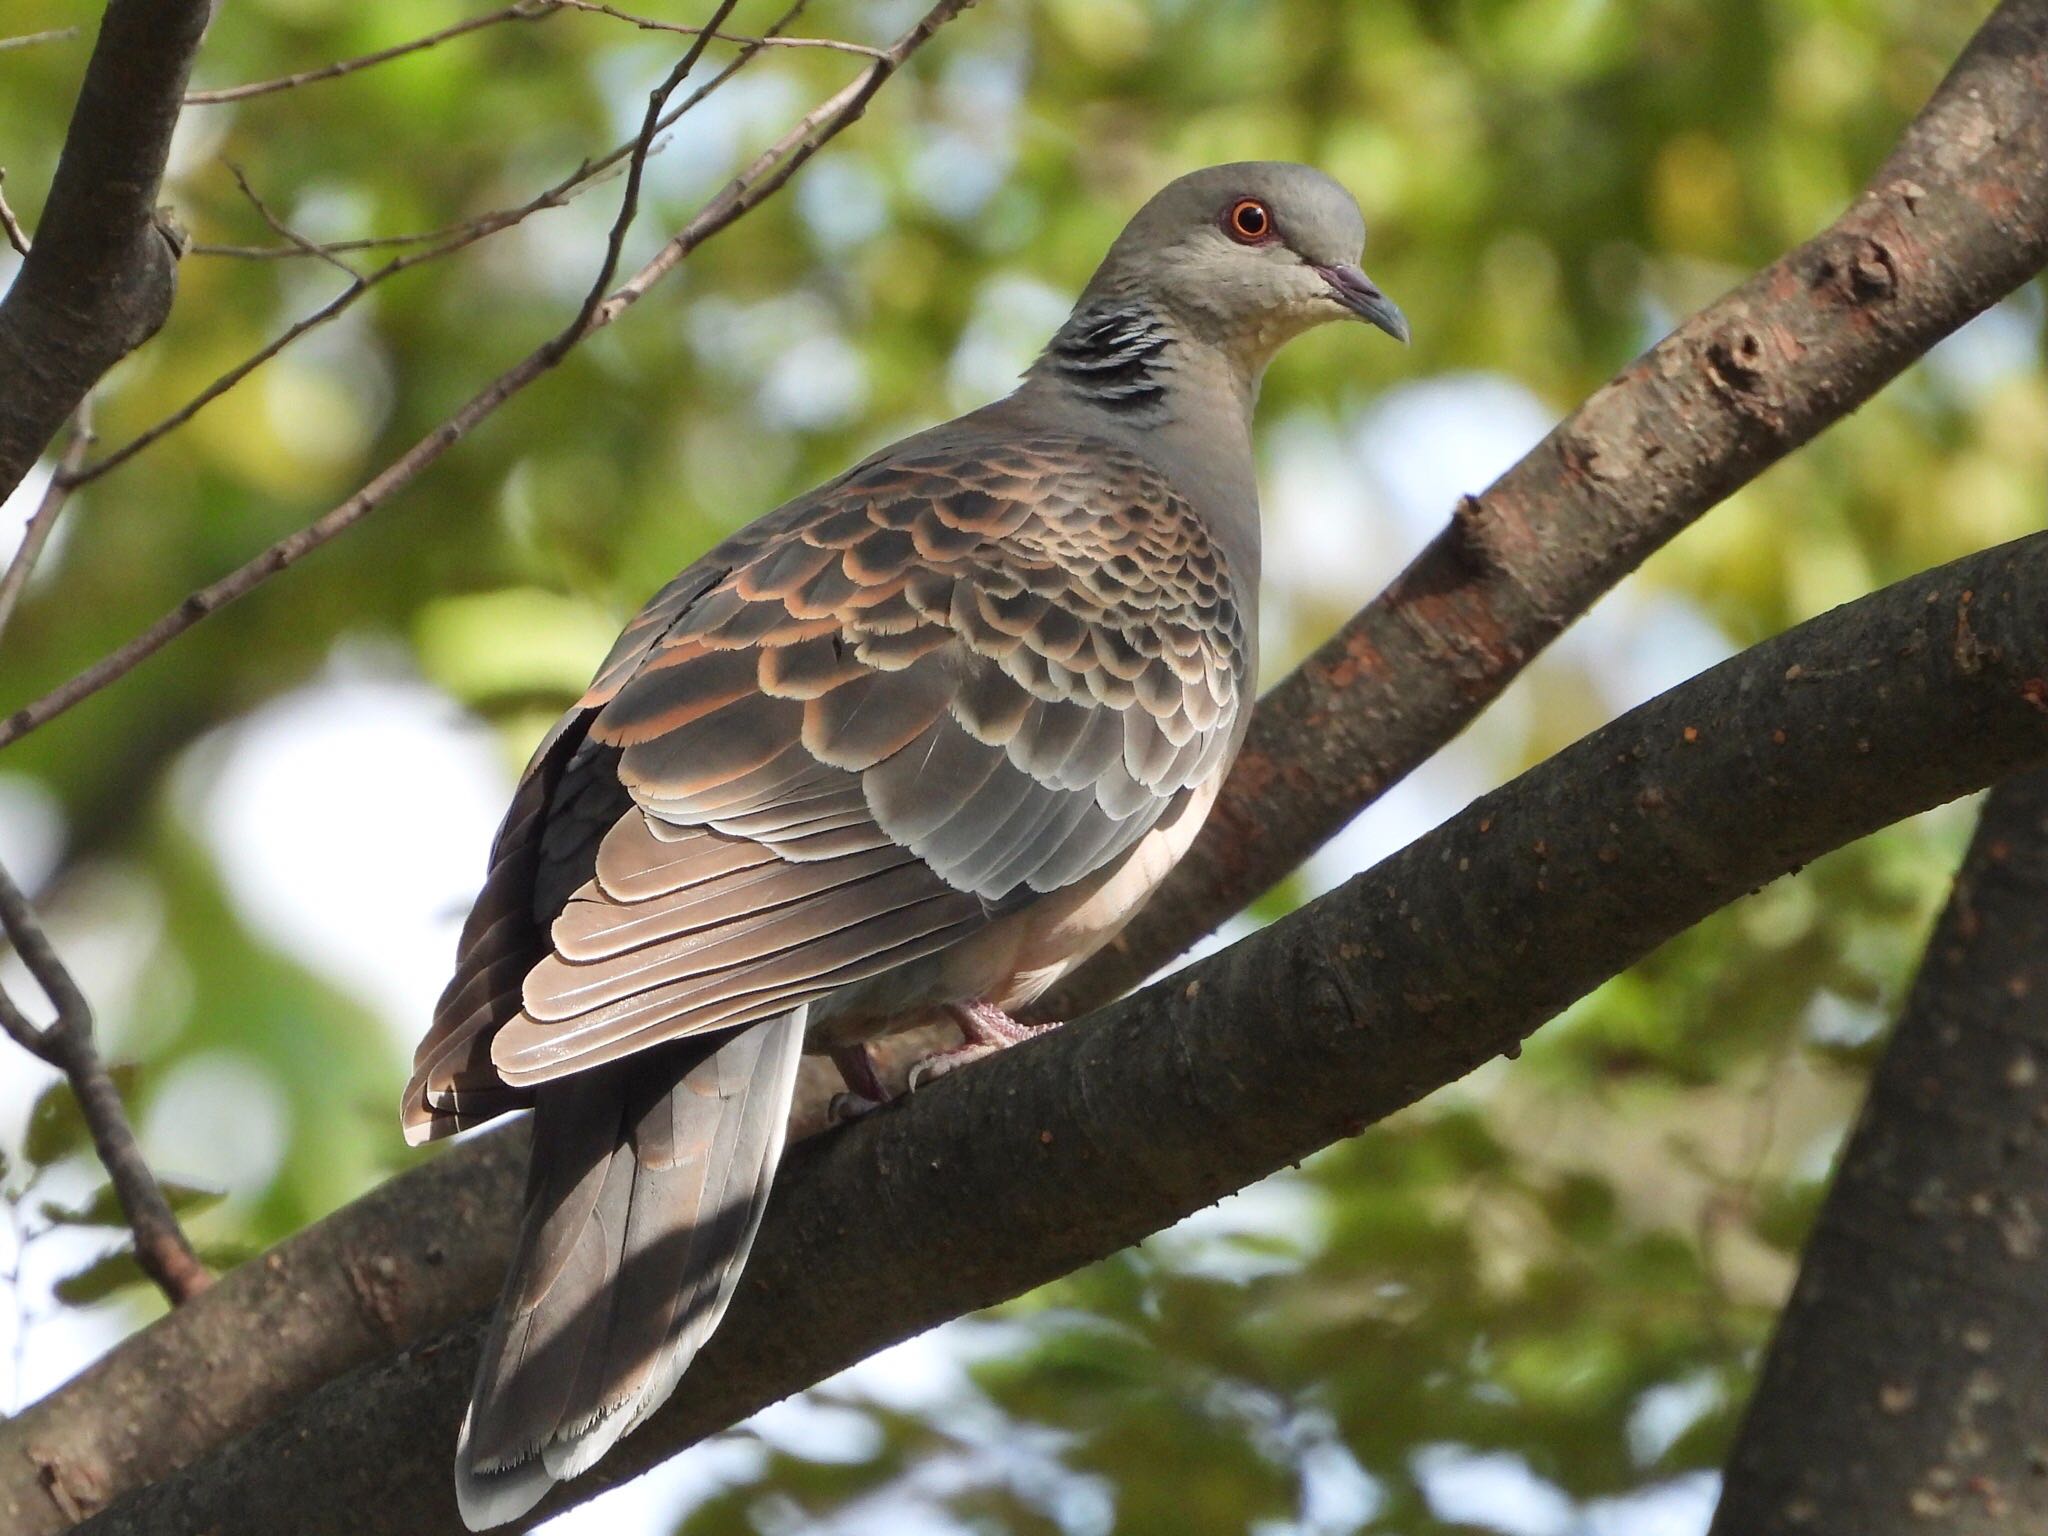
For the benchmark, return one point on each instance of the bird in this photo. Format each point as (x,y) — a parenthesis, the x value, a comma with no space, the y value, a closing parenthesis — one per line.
(912,745)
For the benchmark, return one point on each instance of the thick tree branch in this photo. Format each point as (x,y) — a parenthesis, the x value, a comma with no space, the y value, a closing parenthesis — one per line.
(1956,218)
(1906,1384)
(99,280)
(1070,1148)
(66,1043)
(759,180)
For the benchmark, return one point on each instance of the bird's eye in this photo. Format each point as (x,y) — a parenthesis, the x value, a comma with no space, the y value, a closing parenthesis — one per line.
(1248,222)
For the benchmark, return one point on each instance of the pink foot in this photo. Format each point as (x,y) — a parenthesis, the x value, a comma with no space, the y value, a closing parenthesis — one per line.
(864,1091)
(984,1030)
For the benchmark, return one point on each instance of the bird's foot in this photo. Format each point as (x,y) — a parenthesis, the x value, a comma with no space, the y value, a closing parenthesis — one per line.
(984,1030)
(864,1091)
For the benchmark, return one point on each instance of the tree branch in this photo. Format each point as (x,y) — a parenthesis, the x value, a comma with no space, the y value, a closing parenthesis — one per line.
(1905,1383)
(636,168)
(30,39)
(440,242)
(1076,1145)
(761,179)
(465,231)
(1956,218)
(10,223)
(98,281)
(43,521)
(652,24)
(524,10)
(66,1044)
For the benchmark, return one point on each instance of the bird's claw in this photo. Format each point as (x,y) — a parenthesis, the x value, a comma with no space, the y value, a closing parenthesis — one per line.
(939,1063)
(984,1029)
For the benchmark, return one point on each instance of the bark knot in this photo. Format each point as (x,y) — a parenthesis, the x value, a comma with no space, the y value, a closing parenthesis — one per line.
(1736,369)
(1866,273)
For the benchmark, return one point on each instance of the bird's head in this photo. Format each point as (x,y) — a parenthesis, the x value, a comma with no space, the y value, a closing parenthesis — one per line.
(1248,256)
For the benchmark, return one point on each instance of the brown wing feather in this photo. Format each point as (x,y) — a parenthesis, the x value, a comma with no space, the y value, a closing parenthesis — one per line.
(951,681)
(559,811)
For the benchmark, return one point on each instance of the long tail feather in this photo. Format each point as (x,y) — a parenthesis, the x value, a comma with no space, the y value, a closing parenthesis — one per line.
(645,1191)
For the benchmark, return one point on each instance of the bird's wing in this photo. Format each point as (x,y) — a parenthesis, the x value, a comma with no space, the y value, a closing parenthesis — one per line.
(953,680)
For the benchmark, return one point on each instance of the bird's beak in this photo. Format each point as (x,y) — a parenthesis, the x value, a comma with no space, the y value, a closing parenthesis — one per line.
(1359,294)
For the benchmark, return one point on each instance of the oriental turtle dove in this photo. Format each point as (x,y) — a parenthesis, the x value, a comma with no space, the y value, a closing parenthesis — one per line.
(921,739)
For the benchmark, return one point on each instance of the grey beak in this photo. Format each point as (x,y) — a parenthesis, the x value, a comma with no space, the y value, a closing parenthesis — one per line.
(1359,294)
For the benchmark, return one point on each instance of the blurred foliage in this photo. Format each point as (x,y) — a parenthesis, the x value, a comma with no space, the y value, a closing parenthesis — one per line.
(1563,1267)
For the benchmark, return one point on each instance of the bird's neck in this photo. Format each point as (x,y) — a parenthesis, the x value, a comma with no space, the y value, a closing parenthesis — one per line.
(1127,369)
(1132,362)
(1127,363)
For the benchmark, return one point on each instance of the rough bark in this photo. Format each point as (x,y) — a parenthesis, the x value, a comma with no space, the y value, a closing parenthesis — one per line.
(99,279)
(1907,1385)
(1955,218)
(370,1281)
(1081,1143)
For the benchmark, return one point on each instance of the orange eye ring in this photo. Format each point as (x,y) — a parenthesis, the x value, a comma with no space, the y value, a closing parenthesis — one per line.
(1249,222)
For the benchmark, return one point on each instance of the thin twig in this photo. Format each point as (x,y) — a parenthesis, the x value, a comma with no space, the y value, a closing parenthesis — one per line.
(377,242)
(629,200)
(14,580)
(16,235)
(770,170)
(653,24)
(30,39)
(66,1044)
(524,10)
(458,236)
(278,226)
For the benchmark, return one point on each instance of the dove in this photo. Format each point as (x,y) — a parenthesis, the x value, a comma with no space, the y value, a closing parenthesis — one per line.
(916,743)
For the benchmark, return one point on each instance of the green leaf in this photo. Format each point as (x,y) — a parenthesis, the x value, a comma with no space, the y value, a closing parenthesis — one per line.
(104,1208)
(56,1125)
(100,1279)
(116,1271)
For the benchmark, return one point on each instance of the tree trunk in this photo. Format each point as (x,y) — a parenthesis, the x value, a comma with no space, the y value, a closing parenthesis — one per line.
(1907,1387)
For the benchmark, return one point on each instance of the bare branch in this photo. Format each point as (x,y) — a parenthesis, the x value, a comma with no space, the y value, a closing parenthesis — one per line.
(1080,1143)
(30,39)
(278,225)
(11,225)
(524,10)
(653,24)
(450,240)
(66,1043)
(629,200)
(765,176)
(99,278)
(42,521)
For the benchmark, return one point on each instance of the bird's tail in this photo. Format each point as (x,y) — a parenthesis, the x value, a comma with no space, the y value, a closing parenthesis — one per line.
(646,1186)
